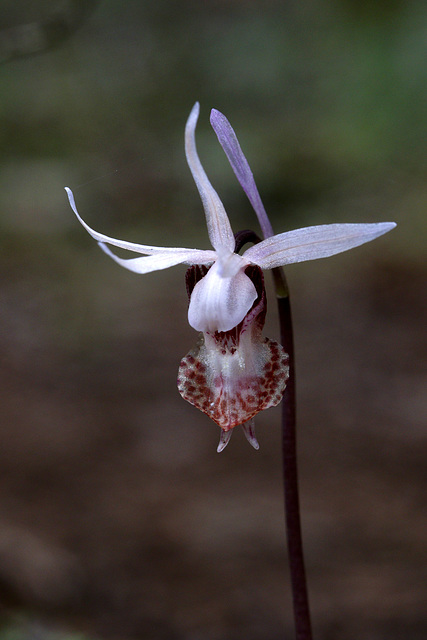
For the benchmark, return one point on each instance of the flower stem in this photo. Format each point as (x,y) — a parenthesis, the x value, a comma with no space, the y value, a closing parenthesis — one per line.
(289,449)
(290,471)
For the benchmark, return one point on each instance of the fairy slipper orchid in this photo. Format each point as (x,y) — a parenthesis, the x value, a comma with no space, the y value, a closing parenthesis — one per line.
(233,372)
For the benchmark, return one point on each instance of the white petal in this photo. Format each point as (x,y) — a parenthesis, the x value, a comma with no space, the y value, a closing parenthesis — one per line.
(219,228)
(162,260)
(219,303)
(311,243)
(138,248)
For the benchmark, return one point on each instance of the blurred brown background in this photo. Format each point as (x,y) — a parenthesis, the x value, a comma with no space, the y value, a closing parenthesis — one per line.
(118,519)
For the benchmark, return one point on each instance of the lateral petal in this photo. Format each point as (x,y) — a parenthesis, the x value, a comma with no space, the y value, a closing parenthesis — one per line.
(311,243)
(230,144)
(162,260)
(219,228)
(219,303)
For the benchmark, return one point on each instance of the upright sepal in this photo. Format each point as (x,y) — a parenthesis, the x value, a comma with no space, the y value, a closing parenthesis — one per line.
(229,142)
(219,228)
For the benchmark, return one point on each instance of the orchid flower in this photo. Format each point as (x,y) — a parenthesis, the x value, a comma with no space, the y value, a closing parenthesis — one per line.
(233,372)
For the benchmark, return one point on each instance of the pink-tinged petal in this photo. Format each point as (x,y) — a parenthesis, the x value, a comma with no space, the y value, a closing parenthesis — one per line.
(219,228)
(163,260)
(312,243)
(228,141)
(231,376)
(131,246)
(220,301)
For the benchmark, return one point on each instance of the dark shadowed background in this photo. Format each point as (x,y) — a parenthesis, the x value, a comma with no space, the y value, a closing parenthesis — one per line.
(118,519)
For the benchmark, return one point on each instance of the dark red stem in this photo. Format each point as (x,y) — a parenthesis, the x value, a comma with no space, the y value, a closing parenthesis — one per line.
(290,469)
(289,449)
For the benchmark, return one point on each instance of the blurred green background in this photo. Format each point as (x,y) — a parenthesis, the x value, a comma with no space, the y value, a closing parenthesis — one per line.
(117,517)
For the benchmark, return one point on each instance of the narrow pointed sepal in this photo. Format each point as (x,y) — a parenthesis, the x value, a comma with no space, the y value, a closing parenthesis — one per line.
(224,439)
(249,431)
(219,228)
(312,243)
(229,142)
(161,260)
(160,257)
